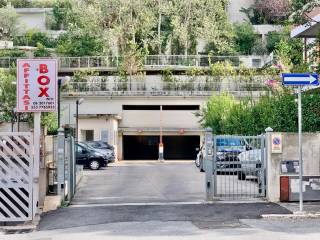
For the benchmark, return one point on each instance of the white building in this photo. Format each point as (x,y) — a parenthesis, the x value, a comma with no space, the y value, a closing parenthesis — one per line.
(132,124)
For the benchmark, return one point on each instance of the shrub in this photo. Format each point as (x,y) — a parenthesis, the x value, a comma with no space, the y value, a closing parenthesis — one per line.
(41,51)
(245,37)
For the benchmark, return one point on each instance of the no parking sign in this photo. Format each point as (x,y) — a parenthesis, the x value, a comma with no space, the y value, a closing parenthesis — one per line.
(276,144)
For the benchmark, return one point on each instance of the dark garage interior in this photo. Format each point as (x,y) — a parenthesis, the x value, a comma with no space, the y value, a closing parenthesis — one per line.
(146,147)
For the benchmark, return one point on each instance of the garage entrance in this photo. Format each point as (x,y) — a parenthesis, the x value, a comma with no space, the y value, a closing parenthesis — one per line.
(146,147)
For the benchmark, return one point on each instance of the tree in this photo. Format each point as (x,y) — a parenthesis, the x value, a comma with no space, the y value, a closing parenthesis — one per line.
(7,95)
(273,10)
(216,112)
(201,19)
(300,10)
(245,37)
(79,44)
(8,22)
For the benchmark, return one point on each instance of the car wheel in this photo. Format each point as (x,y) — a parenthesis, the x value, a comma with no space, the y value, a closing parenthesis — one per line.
(94,165)
(241,176)
(201,164)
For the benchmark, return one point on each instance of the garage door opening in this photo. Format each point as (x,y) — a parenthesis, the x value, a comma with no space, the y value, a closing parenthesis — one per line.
(146,147)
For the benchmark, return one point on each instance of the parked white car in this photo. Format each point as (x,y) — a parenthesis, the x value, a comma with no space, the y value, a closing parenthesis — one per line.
(250,163)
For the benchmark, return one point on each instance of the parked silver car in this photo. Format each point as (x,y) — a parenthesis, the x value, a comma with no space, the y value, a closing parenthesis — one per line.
(250,163)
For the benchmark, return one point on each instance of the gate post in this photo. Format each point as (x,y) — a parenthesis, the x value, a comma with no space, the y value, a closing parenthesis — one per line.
(208,164)
(60,163)
(268,144)
(71,169)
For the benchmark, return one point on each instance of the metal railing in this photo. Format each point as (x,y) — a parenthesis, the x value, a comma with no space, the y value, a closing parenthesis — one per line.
(149,62)
(134,88)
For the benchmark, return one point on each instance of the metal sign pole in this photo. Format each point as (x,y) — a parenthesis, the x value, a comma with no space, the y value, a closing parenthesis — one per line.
(300,150)
(36,164)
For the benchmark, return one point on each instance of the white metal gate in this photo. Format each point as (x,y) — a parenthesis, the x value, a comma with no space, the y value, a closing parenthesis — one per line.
(16,176)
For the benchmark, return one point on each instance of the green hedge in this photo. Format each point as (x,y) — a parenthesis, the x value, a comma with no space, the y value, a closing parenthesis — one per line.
(227,116)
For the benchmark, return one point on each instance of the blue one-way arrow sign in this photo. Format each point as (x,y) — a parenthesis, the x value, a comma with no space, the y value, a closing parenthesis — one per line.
(300,79)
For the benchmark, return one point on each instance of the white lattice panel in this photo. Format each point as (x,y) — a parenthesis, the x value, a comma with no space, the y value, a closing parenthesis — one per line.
(16,176)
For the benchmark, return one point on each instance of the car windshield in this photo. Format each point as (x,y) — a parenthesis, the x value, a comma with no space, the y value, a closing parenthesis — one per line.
(92,144)
(86,146)
(229,142)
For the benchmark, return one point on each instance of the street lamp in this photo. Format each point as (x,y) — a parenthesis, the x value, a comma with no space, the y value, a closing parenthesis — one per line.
(78,102)
(61,82)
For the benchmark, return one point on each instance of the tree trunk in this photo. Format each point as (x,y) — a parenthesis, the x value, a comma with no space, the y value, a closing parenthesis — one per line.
(159,28)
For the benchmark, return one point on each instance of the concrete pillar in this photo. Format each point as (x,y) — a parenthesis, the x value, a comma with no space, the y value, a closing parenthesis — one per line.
(60,162)
(208,164)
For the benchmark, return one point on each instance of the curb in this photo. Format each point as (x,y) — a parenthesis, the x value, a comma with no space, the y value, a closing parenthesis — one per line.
(296,215)
(20,228)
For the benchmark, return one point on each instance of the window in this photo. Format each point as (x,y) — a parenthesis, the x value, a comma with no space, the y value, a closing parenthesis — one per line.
(79,149)
(140,107)
(181,107)
(87,135)
(164,107)
(104,135)
(256,62)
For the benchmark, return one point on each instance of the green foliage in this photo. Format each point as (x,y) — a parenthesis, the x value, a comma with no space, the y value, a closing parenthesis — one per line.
(254,16)
(288,50)
(222,69)
(226,116)
(32,38)
(50,120)
(167,75)
(15,53)
(245,37)
(41,51)
(259,47)
(79,44)
(7,95)
(273,38)
(8,22)
(61,9)
(28,3)
(132,60)
(217,111)
(300,9)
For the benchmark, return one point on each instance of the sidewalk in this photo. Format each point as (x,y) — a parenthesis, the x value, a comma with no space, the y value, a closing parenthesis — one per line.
(310,210)
(308,207)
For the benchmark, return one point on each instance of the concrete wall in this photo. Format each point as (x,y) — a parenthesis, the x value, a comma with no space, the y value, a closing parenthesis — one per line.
(113,105)
(7,127)
(311,160)
(149,119)
(234,9)
(31,18)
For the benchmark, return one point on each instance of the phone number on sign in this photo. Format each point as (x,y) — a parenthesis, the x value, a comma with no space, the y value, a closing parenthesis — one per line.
(43,107)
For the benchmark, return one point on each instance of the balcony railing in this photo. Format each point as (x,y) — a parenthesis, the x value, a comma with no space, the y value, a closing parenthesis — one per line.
(162,89)
(150,62)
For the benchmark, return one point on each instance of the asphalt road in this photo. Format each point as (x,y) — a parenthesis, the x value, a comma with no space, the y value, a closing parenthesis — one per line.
(166,214)
(202,215)
(141,182)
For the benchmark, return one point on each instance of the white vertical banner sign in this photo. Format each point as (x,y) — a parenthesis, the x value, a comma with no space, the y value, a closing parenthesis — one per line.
(37,85)
(37,91)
